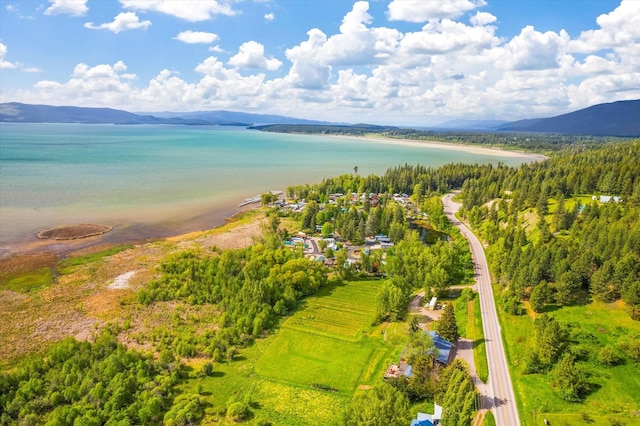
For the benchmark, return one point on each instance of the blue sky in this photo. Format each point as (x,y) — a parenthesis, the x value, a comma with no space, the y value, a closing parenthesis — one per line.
(411,62)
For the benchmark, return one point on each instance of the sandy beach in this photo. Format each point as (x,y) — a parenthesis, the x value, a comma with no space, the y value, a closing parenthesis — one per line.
(447,146)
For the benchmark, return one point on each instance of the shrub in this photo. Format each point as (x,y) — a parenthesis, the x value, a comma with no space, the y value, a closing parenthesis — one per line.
(608,356)
(238,411)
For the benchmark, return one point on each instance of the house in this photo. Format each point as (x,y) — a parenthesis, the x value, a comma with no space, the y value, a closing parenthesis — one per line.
(443,356)
(444,347)
(424,419)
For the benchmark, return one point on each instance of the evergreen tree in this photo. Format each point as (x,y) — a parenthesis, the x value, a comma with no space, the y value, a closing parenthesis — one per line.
(540,296)
(382,405)
(570,380)
(550,339)
(447,326)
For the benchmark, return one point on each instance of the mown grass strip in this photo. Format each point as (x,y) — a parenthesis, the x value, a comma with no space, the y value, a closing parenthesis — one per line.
(489,420)
(479,347)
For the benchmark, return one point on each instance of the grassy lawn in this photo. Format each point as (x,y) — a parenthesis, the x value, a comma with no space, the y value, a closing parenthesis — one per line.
(307,359)
(477,335)
(616,390)
(338,311)
(329,342)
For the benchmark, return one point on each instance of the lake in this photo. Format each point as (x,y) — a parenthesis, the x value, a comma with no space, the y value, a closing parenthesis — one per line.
(161,180)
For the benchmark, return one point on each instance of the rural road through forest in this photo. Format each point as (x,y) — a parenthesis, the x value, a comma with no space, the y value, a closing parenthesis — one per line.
(499,396)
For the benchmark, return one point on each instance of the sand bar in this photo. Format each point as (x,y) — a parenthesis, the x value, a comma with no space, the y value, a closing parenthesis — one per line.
(448,146)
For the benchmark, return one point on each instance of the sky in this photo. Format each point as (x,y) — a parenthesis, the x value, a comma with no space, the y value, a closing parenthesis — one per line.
(402,62)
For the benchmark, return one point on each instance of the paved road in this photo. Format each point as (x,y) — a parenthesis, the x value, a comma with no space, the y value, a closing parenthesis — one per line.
(499,389)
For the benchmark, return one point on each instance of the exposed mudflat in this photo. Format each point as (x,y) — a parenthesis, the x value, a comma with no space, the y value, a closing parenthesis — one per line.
(74,232)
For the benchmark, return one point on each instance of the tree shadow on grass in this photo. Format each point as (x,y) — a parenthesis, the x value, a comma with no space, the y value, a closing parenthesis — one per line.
(329,288)
(551,307)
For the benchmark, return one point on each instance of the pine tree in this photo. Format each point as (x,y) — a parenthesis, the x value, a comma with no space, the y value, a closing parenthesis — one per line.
(447,326)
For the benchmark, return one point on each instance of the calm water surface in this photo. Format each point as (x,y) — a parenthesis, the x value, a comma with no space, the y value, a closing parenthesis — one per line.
(170,177)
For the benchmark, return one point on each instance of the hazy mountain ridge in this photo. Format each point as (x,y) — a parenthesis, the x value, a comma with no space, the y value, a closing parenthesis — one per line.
(15,112)
(235,116)
(620,118)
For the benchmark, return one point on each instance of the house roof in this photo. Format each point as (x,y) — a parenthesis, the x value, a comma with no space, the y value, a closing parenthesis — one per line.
(423,420)
(443,345)
(417,422)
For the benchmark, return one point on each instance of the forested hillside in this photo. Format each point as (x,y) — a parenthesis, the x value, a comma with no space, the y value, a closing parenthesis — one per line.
(575,247)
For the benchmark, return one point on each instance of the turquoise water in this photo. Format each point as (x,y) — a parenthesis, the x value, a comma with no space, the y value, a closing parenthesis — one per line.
(170,176)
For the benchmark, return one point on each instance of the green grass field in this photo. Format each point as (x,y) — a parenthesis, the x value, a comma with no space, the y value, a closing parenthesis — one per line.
(616,389)
(307,359)
(331,341)
(328,343)
(339,311)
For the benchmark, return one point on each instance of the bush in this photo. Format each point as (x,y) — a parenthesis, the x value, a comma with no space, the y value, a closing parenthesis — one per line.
(238,411)
(608,356)
(630,346)
(207,369)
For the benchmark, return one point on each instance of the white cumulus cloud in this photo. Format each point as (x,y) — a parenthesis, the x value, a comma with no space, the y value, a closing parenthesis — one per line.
(483,18)
(5,64)
(533,50)
(122,22)
(251,55)
(269,17)
(69,7)
(618,28)
(425,10)
(193,37)
(189,10)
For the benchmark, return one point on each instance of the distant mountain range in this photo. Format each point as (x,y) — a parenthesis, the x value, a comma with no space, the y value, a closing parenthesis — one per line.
(613,119)
(25,113)
(222,116)
(620,118)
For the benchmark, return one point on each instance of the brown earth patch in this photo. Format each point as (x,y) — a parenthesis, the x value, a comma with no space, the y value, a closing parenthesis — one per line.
(74,232)
(25,263)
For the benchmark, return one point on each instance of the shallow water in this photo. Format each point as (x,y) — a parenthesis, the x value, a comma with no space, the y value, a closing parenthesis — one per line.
(154,180)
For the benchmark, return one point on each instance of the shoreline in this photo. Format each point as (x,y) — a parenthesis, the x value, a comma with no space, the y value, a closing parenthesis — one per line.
(135,233)
(188,221)
(448,146)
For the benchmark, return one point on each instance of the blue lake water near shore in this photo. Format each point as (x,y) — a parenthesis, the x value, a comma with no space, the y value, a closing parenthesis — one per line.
(166,179)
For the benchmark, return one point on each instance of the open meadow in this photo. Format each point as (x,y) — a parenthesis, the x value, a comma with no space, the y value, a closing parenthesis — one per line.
(307,371)
(615,390)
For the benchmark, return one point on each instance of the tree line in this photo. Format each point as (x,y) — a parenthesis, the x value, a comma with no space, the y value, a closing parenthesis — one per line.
(538,142)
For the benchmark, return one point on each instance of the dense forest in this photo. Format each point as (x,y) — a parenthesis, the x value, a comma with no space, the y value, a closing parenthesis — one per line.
(585,249)
(539,142)
(99,383)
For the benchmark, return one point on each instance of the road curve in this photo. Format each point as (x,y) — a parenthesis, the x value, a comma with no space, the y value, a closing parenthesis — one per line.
(499,397)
